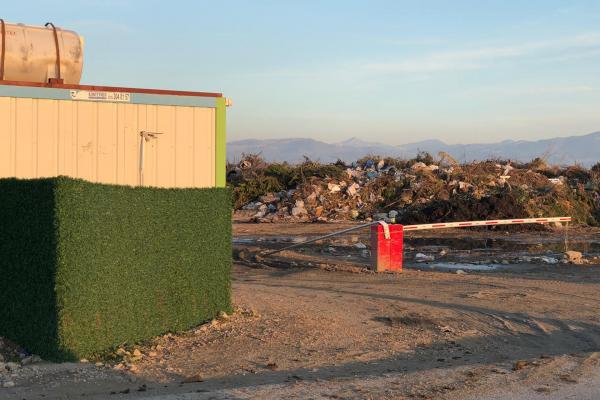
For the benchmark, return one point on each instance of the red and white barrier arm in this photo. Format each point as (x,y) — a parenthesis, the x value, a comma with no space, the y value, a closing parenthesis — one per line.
(467,224)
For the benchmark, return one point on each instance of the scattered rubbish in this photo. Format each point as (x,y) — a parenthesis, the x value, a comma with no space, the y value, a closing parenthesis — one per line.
(333,188)
(548,260)
(539,259)
(574,257)
(556,181)
(420,257)
(415,191)
(463,267)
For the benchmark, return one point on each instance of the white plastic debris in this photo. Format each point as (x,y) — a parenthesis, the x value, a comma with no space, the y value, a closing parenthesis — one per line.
(333,188)
(420,257)
(556,181)
(353,189)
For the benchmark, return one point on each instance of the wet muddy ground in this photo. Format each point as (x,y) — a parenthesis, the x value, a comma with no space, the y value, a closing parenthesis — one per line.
(466,249)
(314,323)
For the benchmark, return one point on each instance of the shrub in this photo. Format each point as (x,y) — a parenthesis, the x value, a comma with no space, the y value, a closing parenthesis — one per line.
(86,267)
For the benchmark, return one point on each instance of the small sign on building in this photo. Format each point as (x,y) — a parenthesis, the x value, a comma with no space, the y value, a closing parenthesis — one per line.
(88,95)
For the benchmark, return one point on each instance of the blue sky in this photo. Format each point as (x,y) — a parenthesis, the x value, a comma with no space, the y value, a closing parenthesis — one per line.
(387,71)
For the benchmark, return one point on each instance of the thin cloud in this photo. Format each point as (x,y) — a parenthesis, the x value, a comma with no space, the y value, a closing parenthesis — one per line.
(537,90)
(481,57)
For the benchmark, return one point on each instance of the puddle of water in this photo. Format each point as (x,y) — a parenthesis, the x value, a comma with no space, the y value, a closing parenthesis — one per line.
(452,252)
(498,244)
(269,239)
(242,241)
(465,267)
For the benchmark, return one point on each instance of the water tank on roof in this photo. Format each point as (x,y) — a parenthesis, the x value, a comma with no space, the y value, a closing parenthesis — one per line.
(40,54)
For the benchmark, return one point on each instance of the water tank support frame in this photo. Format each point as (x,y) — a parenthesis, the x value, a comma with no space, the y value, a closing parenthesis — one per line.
(58,79)
(3,51)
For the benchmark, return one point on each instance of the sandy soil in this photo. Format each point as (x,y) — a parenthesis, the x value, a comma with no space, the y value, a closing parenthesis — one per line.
(311,323)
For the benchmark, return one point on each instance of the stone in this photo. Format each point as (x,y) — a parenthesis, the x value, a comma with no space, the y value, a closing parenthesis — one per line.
(137,353)
(298,211)
(460,272)
(520,365)
(12,366)
(32,359)
(122,352)
(223,316)
(8,384)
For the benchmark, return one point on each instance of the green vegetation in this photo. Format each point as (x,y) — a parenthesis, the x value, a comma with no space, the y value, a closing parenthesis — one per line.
(86,267)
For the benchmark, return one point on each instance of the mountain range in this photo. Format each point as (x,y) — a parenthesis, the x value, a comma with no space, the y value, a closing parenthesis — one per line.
(584,150)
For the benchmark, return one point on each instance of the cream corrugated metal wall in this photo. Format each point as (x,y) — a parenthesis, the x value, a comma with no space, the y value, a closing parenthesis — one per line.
(100,142)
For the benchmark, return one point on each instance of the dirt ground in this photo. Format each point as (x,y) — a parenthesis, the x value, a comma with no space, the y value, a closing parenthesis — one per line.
(314,323)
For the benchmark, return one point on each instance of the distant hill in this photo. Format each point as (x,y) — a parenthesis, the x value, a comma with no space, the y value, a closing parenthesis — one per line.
(584,149)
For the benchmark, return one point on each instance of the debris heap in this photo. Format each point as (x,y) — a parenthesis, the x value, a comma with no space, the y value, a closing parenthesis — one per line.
(419,190)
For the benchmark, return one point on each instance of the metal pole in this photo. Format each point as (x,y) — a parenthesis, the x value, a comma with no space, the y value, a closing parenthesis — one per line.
(3,51)
(354,228)
(59,77)
(145,137)
(142,140)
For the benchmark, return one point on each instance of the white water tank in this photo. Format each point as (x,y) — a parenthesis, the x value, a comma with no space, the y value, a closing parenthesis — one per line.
(39,54)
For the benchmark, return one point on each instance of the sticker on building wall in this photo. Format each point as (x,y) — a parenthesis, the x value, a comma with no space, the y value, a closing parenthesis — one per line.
(88,95)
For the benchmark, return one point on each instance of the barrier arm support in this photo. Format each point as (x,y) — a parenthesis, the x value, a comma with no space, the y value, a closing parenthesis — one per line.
(387,252)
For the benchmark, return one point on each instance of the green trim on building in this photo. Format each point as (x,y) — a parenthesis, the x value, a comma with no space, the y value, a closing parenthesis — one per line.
(220,142)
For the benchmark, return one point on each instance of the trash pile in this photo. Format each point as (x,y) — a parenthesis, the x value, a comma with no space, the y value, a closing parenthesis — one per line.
(420,190)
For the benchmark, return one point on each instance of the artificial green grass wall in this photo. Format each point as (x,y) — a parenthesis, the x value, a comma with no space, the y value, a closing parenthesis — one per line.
(86,267)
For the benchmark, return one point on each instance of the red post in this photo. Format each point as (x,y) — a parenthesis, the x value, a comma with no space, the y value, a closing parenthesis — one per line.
(386,254)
